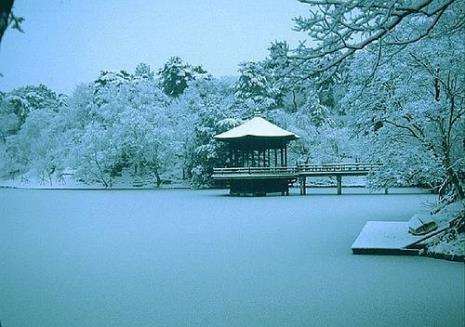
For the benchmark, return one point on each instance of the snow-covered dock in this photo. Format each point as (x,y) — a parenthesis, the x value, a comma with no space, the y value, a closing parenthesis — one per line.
(393,237)
(386,237)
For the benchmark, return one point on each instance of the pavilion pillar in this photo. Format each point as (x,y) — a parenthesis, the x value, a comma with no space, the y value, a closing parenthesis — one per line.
(285,155)
(275,157)
(264,156)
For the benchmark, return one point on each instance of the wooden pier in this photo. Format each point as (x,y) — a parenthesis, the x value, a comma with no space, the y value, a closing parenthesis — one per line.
(337,170)
(292,174)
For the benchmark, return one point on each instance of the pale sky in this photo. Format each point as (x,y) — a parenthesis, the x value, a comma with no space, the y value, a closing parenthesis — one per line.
(67,42)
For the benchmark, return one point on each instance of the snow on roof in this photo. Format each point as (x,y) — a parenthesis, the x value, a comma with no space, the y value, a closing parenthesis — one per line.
(258,127)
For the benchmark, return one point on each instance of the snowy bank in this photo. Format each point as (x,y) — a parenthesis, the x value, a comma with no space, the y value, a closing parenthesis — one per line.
(449,245)
(68,181)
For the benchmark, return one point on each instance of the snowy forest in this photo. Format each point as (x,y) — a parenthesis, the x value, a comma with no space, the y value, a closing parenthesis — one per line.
(376,81)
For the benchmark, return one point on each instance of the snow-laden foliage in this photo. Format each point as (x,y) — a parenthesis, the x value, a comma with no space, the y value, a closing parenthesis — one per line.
(126,127)
(212,108)
(176,74)
(391,75)
(413,113)
(16,105)
(255,85)
(340,29)
(324,138)
(29,130)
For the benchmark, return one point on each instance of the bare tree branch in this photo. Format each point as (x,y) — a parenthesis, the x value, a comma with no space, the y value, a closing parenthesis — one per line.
(342,28)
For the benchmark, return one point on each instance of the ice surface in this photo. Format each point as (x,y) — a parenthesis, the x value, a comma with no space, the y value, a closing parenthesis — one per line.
(199,258)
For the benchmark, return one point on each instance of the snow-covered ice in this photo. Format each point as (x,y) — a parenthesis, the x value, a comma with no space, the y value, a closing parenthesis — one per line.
(200,258)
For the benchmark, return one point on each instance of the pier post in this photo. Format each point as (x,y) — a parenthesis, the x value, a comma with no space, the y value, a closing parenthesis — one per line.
(339,184)
(303,186)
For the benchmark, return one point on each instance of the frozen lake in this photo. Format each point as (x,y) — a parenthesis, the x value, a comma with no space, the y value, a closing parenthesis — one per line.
(198,258)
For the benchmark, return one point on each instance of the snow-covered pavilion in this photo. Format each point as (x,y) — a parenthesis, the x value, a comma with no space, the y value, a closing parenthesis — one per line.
(257,143)
(257,158)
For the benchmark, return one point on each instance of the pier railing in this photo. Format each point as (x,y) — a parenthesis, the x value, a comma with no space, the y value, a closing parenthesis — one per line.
(330,168)
(303,169)
(255,171)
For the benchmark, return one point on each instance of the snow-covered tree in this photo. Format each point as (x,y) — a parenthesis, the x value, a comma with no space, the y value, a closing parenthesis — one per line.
(17,104)
(403,83)
(255,85)
(28,130)
(144,71)
(176,74)
(210,108)
(126,128)
(413,111)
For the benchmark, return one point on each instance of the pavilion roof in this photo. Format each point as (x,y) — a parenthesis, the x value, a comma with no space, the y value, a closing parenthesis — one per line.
(257,127)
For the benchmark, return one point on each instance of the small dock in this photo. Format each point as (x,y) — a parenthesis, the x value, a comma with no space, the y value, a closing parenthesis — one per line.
(391,237)
(385,237)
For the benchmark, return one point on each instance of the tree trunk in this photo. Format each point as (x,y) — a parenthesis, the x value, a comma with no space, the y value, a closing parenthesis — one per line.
(157,177)
(454,180)
(5,10)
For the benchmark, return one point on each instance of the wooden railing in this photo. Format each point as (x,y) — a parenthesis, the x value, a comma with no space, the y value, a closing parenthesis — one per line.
(255,170)
(355,167)
(301,169)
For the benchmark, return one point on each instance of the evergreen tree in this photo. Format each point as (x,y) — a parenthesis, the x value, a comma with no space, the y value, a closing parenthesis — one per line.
(175,76)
